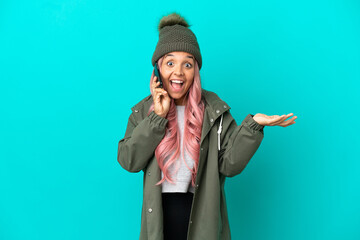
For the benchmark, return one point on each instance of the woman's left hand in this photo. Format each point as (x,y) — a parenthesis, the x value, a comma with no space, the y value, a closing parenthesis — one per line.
(274,120)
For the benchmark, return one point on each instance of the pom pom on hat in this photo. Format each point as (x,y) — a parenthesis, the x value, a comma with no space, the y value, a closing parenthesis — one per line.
(175,35)
(172,19)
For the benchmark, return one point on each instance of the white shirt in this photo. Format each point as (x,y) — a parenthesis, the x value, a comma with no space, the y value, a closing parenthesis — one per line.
(182,179)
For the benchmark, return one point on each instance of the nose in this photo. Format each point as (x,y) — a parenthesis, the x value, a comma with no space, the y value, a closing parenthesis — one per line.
(178,70)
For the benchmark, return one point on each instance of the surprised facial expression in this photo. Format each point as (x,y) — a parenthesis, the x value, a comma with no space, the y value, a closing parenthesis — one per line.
(177,74)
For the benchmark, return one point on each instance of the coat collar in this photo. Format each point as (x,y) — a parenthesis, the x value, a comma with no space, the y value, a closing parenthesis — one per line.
(214,108)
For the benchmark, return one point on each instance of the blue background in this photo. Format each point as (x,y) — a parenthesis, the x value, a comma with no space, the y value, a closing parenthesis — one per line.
(71,70)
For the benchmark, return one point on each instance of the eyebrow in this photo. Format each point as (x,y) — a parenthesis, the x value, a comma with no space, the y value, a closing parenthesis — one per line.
(188,56)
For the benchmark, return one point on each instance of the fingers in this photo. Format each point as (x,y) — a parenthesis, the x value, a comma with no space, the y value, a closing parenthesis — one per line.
(288,122)
(158,92)
(279,120)
(155,83)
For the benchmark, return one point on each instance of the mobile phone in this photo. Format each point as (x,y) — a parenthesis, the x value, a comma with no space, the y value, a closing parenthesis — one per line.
(157,74)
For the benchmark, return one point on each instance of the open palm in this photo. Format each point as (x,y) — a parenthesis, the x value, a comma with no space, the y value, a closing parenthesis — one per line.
(274,120)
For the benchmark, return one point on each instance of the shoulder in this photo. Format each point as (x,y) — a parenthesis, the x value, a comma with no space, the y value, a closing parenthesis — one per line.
(209,95)
(140,109)
(213,100)
(142,102)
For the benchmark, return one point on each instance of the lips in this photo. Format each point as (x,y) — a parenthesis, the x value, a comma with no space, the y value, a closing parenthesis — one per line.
(177,80)
(176,85)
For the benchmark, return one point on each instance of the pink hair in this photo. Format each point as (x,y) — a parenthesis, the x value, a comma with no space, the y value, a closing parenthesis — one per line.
(194,112)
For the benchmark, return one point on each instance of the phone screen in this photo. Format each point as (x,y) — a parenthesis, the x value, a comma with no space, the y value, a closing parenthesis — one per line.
(157,74)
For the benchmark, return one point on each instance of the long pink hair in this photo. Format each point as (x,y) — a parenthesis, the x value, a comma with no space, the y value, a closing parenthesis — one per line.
(170,144)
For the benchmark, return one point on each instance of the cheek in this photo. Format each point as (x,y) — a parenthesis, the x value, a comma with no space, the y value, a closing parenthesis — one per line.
(165,75)
(190,84)
(164,78)
(190,75)
(166,82)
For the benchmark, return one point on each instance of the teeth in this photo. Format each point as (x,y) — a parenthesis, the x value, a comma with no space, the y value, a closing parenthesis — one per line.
(177,81)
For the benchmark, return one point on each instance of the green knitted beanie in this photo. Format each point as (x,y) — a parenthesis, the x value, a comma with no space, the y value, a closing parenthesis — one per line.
(175,35)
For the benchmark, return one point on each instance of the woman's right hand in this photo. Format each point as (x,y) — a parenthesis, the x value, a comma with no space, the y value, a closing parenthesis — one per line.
(161,99)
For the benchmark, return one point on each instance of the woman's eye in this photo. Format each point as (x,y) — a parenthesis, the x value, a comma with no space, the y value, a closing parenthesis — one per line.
(187,64)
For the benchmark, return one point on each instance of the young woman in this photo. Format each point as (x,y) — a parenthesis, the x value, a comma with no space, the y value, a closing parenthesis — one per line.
(186,142)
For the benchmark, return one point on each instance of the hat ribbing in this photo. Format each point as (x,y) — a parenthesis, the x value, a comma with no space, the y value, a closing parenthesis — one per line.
(174,35)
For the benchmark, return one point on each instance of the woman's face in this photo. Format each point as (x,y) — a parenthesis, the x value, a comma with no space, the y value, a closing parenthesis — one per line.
(178,66)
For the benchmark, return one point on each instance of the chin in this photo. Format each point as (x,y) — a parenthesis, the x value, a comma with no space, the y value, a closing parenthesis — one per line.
(175,94)
(177,97)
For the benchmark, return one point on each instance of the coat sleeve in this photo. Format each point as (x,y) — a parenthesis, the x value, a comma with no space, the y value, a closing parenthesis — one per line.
(239,144)
(140,141)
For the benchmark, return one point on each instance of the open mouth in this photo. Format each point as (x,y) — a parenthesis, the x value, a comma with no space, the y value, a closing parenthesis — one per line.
(176,85)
